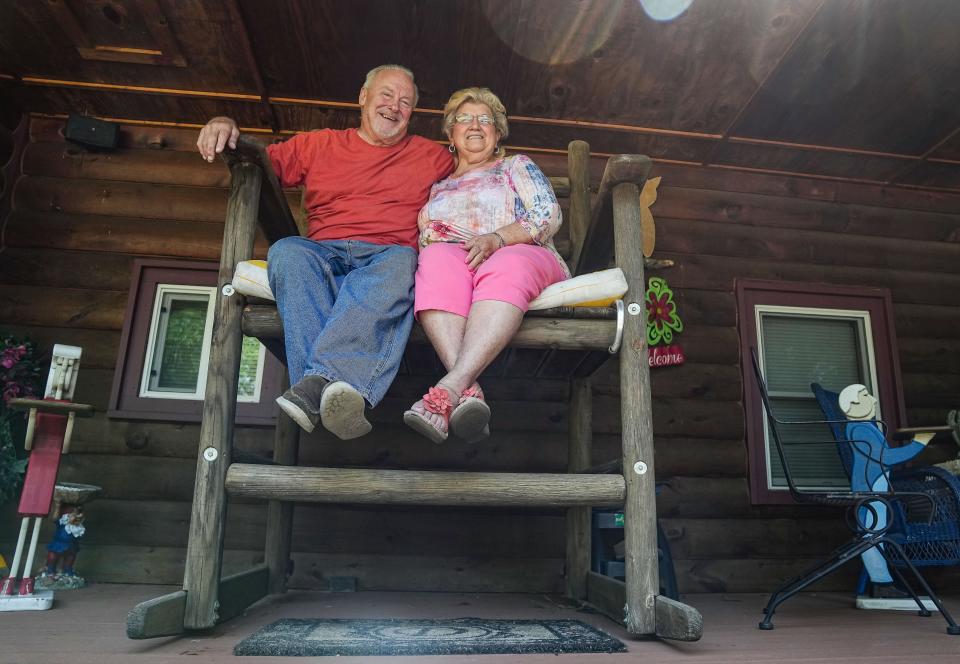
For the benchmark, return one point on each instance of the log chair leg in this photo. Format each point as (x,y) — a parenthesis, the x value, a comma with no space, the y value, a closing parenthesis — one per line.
(647,613)
(578,460)
(205,547)
(640,509)
(280,513)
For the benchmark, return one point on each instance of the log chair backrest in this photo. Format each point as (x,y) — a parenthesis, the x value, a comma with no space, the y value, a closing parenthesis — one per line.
(276,220)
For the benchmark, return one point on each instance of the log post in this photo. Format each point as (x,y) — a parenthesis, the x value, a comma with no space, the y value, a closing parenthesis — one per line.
(640,509)
(286,442)
(578,460)
(205,547)
(578,165)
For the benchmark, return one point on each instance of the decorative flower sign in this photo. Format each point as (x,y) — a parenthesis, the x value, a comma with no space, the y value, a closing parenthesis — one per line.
(662,323)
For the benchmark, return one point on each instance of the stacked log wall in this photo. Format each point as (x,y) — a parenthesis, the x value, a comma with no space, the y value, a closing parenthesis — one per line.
(79,220)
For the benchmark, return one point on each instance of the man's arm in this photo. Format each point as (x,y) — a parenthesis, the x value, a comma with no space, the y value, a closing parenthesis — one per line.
(215,135)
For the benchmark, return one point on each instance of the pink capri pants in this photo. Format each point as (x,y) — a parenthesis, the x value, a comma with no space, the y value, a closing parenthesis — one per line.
(515,274)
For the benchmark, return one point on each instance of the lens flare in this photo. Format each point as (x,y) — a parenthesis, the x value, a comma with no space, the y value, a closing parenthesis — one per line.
(665,10)
(555,32)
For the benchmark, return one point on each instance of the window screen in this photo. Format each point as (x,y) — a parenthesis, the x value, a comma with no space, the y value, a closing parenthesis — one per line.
(800,347)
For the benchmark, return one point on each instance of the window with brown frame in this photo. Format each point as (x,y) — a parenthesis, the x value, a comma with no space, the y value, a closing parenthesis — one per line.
(811,333)
(162,362)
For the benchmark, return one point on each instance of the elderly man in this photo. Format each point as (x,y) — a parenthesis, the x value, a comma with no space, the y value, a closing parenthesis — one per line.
(345,292)
(872,460)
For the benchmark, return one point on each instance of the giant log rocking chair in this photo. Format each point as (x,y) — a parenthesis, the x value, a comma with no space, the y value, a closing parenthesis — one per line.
(611,226)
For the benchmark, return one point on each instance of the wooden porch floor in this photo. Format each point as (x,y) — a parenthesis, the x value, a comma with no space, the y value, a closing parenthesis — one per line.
(87,626)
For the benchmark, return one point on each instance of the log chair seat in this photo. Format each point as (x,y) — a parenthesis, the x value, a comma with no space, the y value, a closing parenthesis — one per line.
(611,225)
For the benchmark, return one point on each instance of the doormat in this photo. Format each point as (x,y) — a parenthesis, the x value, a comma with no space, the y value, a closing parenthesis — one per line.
(458,636)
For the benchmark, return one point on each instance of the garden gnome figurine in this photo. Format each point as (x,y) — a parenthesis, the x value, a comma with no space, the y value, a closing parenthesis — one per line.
(62,550)
(872,459)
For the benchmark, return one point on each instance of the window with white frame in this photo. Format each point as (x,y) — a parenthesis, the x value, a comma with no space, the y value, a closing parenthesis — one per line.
(165,345)
(178,347)
(798,346)
(803,334)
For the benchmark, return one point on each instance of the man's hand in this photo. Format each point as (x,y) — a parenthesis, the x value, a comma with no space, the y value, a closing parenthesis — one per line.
(216,134)
(924,438)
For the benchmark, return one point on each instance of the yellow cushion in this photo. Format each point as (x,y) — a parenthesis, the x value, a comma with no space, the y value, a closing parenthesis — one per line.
(250,278)
(597,289)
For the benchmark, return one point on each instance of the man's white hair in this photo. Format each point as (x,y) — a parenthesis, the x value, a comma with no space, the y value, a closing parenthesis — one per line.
(848,395)
(372,74)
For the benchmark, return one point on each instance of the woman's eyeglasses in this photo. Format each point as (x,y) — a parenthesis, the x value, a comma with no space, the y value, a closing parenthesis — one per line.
(467,118)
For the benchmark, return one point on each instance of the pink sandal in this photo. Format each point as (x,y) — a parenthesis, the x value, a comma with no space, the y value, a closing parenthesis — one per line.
(470,420)
(436,400)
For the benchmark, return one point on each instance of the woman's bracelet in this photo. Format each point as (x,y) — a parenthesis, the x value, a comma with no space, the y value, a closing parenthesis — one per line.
(500,238)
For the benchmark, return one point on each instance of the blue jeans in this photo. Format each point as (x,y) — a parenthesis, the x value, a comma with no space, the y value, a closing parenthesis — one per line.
(346,307)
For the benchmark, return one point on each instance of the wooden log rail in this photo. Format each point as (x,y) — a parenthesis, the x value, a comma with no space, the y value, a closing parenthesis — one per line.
(424,487)
(611,225)
(561,333)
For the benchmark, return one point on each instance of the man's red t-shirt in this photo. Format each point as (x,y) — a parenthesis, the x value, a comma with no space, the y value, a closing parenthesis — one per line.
(357,191)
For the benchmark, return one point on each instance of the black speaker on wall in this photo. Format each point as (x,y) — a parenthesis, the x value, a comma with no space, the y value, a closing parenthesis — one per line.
(92,133)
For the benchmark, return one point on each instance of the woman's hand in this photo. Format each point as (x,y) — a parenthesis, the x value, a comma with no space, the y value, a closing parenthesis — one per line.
(480,248)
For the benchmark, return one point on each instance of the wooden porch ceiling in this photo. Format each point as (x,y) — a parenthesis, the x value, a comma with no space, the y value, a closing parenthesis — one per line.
(849,89)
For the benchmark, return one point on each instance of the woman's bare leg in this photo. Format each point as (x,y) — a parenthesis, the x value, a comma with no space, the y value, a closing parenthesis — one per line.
(445,331)
(485,332)
(490,326)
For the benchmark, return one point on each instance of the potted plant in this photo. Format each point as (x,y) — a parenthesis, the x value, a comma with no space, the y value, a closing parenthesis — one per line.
(20,375)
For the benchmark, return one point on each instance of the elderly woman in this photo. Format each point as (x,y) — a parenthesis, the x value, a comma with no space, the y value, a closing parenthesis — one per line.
(485,253)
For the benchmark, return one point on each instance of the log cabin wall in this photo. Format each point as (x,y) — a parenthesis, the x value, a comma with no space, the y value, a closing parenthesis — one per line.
(79,219)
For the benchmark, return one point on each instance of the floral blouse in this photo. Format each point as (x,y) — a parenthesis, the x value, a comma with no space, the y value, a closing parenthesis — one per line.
(485,199)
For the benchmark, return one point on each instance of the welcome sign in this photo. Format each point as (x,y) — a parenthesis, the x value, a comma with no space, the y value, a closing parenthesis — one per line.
(662,323)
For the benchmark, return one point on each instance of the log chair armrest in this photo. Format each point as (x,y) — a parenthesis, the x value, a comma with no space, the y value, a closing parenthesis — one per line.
(597,248)
(274,216)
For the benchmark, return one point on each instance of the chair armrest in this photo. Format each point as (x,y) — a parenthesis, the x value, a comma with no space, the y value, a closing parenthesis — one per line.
(274,216)
(949,480)
(597,248)
(53,407)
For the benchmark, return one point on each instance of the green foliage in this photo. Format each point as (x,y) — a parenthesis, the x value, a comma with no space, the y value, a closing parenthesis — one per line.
(20,376)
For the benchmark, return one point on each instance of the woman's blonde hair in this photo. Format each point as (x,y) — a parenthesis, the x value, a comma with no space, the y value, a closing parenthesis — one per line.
(477,96)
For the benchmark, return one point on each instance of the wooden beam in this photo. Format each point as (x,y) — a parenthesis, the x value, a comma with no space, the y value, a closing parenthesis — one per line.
(238,591)
(580,447)
(422,487)
(578,165)
(280,513)
(274,216)
(597,248)
(640,508)
(164,615)
(205,544)
(263,322)
(160,616)
(233,7)
(54,407)
(728,130)
(674,620)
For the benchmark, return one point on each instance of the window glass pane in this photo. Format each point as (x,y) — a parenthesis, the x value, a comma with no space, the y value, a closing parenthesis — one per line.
(799,350)
(180,344)
(249,368)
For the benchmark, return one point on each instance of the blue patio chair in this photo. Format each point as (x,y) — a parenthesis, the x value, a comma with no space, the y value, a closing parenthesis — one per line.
(855,503)
(927,542)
